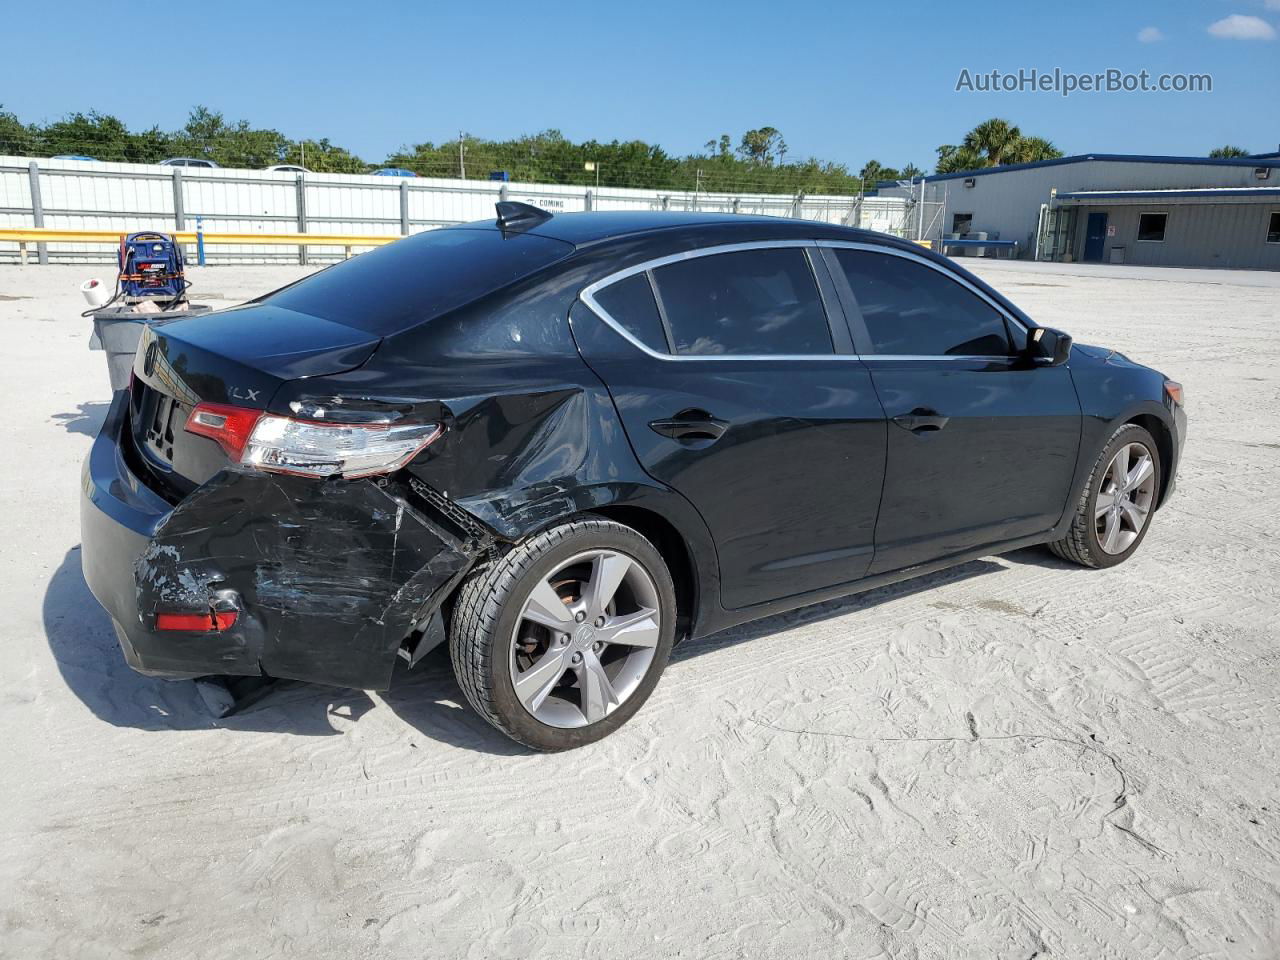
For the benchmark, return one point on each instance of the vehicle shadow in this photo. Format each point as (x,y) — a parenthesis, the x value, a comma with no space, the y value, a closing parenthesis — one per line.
(86,419)
(842,606)
(429,700)
(1039,557)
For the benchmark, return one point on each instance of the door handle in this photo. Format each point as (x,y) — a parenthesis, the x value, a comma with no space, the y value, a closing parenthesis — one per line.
(922,420)
(691,426)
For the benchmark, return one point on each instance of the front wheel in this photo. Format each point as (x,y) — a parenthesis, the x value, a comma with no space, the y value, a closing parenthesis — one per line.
(560,641)
(1115,508)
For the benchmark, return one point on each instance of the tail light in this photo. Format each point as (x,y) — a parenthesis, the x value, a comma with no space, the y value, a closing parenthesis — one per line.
(1174,390)
(309,448)
(230,426)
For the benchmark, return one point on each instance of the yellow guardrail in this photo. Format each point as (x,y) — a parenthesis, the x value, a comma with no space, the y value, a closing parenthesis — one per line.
(348,241)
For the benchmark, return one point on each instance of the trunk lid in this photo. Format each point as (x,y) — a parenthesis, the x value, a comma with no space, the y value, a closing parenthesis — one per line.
(240,357)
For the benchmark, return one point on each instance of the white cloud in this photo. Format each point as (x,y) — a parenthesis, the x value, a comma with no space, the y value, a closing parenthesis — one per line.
(1153,34)
(1241,27)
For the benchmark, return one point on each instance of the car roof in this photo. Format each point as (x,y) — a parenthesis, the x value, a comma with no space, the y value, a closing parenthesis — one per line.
(596,231)
(590,229)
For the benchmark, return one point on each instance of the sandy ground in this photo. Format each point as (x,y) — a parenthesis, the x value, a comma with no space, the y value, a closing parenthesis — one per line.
(1013,759)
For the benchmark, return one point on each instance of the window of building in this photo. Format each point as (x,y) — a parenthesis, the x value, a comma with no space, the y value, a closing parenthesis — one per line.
(911,309)
(630,302)
(1151,227)
(1273,228)
(762,302)
(962,223)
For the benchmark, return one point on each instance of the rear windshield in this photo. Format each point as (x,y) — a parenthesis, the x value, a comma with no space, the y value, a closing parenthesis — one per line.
(392,288)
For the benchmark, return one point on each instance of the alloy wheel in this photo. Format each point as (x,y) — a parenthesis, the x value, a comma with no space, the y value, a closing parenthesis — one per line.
(585,638)
(1124,498)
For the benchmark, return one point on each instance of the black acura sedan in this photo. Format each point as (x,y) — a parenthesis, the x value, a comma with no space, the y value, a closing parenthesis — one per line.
(562,444)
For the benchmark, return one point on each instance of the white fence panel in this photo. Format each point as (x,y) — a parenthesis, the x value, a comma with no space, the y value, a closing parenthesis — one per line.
(124,197)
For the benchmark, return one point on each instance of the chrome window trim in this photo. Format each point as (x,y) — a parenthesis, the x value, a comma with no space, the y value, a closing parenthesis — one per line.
(587,296)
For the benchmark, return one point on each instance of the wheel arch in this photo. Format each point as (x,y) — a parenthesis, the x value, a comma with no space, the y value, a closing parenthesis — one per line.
(1163,435)
(660,514)
(676,553)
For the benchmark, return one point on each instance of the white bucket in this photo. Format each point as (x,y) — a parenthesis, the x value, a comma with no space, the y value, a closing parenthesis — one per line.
(95,292)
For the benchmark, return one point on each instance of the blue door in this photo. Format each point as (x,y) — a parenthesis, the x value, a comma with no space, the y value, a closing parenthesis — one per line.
(1095,236)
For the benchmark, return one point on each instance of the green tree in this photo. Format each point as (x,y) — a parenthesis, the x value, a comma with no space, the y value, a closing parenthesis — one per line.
(720,148)
(763,147)
(16,138)
(993,139)
(207,134)
(101,136)
(992,143)
(1033,150)
(321,156)
(954,159)
(1223,153)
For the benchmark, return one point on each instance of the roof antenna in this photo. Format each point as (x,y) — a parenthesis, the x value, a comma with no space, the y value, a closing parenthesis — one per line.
(514,216)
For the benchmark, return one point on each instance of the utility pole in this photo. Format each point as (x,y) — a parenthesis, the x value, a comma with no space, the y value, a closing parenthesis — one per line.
(920,218)
(462,164)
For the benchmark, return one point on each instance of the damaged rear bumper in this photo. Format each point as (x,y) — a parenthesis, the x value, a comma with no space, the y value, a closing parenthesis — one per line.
(326,578)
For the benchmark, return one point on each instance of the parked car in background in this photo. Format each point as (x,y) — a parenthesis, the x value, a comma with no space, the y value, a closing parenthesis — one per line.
(75,156)
(188,162)
(562,444)
(287,168)
(393,172)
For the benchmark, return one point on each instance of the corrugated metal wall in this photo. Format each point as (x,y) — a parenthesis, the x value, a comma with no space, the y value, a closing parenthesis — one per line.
(1201,234)
(76,195)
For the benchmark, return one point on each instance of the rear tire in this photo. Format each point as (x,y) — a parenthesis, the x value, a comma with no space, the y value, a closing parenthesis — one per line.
(560,641)
(1114,511)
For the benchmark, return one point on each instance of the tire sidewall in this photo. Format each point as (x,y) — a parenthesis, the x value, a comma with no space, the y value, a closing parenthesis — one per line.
(525,726)
(1130,434)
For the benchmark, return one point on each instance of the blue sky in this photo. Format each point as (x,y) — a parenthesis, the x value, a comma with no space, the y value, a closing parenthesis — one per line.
(842,81)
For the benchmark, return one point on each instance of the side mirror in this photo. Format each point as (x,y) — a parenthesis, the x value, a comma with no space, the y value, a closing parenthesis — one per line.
(1049,347)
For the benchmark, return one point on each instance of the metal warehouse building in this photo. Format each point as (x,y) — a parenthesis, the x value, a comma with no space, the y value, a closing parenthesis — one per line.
(1111,208)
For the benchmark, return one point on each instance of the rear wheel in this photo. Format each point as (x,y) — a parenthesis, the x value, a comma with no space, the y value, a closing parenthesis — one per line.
(1115,509)
(559,642)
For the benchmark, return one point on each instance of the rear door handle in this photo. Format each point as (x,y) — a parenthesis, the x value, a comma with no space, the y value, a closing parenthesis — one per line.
(691,426)
(922,420)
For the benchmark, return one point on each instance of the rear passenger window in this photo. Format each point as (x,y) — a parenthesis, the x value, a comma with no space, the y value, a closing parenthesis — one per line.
(630,302)
(911,309)
(762,302)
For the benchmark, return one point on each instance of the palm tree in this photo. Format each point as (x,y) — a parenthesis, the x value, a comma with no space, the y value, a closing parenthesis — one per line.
(953,159)
(994,138)
(1033,150)
(1222,153)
